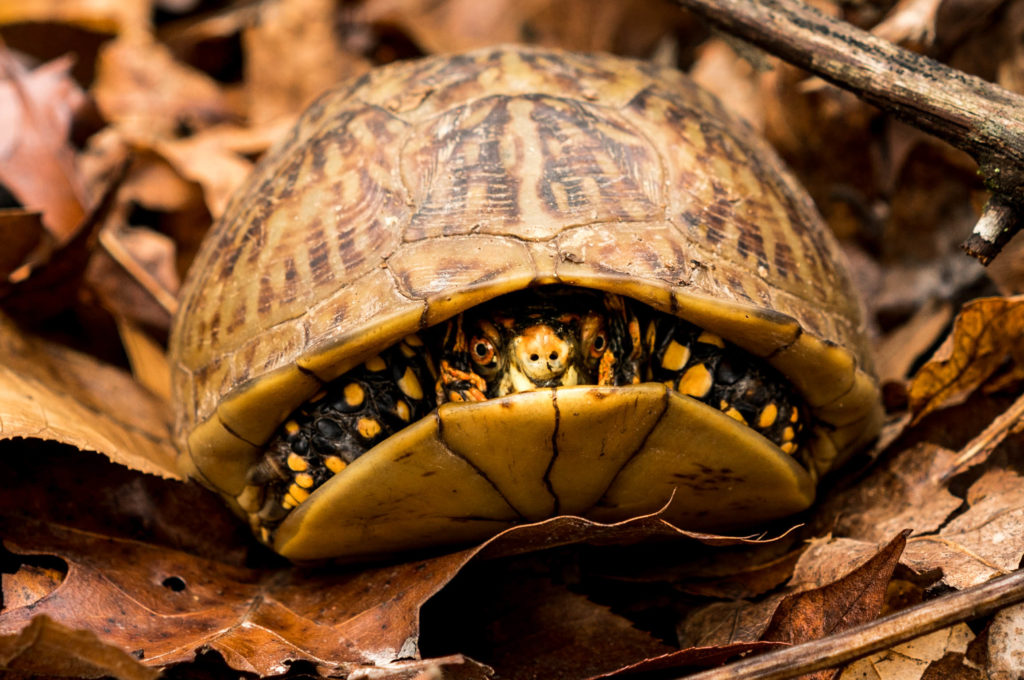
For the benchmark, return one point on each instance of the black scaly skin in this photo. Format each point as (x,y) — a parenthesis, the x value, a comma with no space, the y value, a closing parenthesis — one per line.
(330,431)
(737,382)
(335,424)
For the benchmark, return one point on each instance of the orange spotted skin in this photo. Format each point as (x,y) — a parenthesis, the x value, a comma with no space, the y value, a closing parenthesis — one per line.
(425,188)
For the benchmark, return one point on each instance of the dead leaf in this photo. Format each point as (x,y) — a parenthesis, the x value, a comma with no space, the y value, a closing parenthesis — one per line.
(38,161)
(148,359)
(530,627)
(45,647)
(204,160)
(904,492)
(852,600)
(454,667)
(168,604)
(984,541)
(630,27)
(914,660)
(744,580)
(981,447)
(726,623)
(108,16)
(149,95)
(900,349)
(29,584)
(134,275)
(1006,644)
(44,481)
(293,53)
(26,243)
(985,333)
(910,21)
(50,392)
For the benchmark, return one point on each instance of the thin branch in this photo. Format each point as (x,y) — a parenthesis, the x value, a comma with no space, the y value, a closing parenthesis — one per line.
(972,114)
(876,636)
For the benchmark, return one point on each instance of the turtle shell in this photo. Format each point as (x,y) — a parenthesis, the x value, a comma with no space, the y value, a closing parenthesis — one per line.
(427,187)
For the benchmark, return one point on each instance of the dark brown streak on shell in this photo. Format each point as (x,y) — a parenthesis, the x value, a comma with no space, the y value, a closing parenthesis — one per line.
(319,258)
(750,242)
(784,259)
(573,169)
(265,296)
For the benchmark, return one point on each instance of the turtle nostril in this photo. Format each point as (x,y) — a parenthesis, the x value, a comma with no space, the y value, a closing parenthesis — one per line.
(534,357)
(553,356)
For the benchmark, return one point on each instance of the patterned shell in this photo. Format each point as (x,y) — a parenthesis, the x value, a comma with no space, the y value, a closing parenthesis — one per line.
(424,188)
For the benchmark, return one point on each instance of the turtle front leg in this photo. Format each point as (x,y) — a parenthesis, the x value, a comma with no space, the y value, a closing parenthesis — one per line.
(347,418)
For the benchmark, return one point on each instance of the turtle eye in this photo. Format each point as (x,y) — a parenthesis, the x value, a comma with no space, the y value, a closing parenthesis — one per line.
(482,351)
(599,344)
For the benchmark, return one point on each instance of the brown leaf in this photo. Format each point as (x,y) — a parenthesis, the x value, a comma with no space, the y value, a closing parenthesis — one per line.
(26,242)
(985,540)
(852,600)
(744,580)
(53,393)
(101,15)
(134,275)
(29,584)
(293,54)
(910,21)
(148,359)
(144,91)
(630,26)
(53,286)
(903,492)
(978,450)
(900,349)
(202,159)
(936,656)
(986,331)
(1006,643)
(727,623)
(525,626)
(46,648)
(569,530)
(167,604)
(38,160)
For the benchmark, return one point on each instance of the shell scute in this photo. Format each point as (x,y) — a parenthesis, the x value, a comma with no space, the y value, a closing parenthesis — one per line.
(528,165)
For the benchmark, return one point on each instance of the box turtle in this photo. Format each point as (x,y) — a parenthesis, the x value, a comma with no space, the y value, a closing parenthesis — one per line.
(478,290)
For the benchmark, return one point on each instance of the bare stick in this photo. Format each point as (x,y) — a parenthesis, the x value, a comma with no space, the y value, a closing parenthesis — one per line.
(880,634)
(974,115)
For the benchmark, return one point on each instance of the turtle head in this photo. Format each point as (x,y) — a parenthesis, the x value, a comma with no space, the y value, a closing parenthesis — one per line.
(535,342)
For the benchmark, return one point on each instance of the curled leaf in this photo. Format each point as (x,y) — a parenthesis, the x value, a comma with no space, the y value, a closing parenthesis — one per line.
(985,333)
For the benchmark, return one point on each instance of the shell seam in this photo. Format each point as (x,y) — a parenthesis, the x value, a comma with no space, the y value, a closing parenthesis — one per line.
(636,451)
(444,444)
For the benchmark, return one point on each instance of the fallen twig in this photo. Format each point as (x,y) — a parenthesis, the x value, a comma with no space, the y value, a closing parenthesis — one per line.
(880,634)
(974,115)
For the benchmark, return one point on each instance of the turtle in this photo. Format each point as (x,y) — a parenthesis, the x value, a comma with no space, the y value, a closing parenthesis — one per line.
(471,291)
